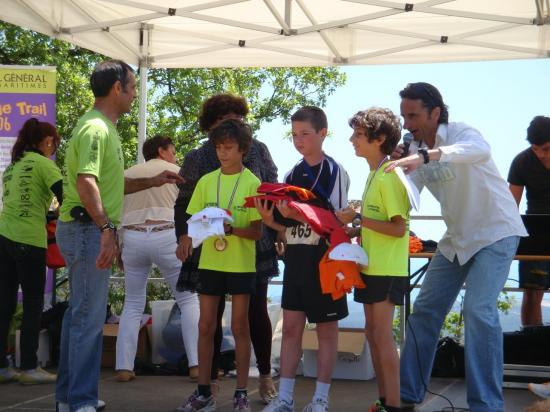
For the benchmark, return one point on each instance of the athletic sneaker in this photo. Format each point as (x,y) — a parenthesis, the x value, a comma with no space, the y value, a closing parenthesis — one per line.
(278,405)
(198,403)
(8,375)
(86,409)
(36,377)
(64,407)
(407,406)
(377,407)
(540,389)
(316,405)
(240,403)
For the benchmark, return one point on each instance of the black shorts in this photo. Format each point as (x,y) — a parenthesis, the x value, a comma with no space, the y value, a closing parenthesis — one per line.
(380,288)
(302,292)
(534,275)
(215,283)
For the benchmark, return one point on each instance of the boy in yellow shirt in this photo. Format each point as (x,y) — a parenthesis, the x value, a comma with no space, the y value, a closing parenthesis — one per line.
(227,264)
(383,225)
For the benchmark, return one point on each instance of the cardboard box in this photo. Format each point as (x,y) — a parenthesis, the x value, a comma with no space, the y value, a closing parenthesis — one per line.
(353,361)
(110,333)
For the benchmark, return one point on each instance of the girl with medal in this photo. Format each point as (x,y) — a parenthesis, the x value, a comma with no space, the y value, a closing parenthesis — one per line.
(383,225)
(227,263)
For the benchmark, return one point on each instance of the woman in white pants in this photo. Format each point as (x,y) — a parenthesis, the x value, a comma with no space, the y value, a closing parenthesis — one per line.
(148,238)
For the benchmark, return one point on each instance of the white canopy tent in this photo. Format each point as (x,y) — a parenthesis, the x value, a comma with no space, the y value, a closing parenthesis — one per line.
(238,33)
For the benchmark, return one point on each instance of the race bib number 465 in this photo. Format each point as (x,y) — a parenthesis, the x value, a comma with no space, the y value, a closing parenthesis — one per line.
(301,234)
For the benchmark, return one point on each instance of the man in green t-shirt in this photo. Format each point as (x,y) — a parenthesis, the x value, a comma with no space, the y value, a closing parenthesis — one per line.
(94,188)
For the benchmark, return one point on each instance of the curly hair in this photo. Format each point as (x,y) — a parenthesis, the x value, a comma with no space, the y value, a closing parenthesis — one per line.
(378,123)
(232,129)
(220,105)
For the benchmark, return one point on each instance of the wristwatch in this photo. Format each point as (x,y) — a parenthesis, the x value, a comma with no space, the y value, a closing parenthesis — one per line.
(424,153)
(357,220)
(107,226)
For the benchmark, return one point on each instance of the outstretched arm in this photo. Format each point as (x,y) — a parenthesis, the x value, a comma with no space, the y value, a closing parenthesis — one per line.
(132,185)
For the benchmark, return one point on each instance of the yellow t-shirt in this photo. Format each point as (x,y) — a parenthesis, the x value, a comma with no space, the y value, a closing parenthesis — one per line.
(94,149)
(27,196)
(385,198)
(240,254)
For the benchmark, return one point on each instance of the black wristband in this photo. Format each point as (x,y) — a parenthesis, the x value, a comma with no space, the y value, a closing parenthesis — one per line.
(229,231)
(425,155)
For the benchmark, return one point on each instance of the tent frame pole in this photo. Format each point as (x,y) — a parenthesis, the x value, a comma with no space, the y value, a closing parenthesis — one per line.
(143,77)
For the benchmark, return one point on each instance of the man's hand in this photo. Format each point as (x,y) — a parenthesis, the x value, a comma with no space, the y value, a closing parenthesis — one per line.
(346,215)
(398,152)
(185,248)
(166,177)
(408,164)
(108,250)
(266,212)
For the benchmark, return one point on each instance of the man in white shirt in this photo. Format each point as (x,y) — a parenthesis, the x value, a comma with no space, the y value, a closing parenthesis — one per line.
(148,237)
(483,228)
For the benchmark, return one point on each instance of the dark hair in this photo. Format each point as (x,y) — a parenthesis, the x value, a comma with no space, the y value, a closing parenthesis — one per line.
(232,129)
(378,123)
(430,96)
(106,74)
(31,135)
(313,115)
(220,105)
(538,132)
(151,146)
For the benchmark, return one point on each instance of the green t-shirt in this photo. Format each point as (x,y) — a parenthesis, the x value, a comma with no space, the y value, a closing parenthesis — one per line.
(27,197)
(385,198)
(240,254)
(94,149)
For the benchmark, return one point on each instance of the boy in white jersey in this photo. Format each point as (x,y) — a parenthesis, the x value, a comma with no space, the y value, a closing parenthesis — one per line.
(302,297)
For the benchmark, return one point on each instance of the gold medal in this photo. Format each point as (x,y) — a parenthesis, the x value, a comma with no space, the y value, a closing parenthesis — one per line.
(220,244)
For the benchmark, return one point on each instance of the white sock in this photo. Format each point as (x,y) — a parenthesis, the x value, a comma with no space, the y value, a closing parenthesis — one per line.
(286,389)
(321,391)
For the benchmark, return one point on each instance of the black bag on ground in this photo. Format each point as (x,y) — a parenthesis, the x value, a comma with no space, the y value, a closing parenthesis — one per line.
(449,359)
(528,346)
(52,319)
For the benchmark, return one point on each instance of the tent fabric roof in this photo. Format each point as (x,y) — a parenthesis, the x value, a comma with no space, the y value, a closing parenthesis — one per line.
(252,33)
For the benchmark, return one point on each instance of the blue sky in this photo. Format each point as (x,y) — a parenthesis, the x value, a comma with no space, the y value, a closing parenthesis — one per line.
(498,98)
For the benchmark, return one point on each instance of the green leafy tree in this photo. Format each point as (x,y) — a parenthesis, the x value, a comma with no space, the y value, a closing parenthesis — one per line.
(175,95)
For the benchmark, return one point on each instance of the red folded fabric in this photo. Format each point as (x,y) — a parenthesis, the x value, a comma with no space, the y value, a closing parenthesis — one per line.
(323,222)
(285,188)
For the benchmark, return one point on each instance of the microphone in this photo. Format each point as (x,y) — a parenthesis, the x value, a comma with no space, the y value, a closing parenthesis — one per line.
(407,139)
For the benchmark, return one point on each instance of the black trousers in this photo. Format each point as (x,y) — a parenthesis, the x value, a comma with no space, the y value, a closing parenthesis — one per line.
(25,265)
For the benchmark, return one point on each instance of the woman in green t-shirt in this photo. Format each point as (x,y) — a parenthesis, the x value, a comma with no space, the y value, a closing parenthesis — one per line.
(29,183)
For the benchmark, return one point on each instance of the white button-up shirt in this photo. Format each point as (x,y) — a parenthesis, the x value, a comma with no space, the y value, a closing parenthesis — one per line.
(476,204)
